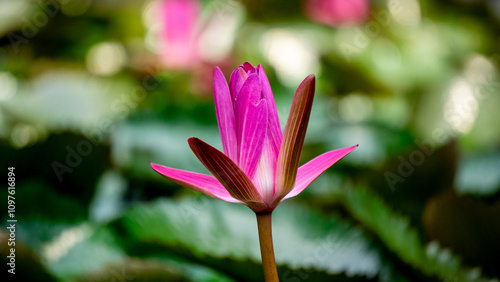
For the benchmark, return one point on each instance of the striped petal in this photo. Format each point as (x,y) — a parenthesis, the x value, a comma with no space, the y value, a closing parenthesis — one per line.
(307,173)
(236,81)
(293,138)
(203,183)
(251,124)
(274,128)
(225,115)
(263,178)
(228,173)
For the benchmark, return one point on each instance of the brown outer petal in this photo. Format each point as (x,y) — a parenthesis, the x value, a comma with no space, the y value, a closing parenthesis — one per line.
(293,138)
(228,173)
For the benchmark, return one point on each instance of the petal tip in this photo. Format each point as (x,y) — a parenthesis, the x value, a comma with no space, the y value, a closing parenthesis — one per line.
(247,66)
(308,84)
(352,148)
(194,143)
(217,73)
(157,168)
(310,78)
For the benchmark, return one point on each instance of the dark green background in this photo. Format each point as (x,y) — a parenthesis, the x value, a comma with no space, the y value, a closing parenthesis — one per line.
(418,200)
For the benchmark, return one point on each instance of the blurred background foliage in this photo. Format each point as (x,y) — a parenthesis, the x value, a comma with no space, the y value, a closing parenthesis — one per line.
(91,91)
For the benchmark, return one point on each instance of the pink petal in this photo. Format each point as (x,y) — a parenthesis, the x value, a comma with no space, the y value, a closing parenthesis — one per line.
(315,167)
(248,66)
(205,184)
(293,138)
(227,172)
(274,131)
(263,178)
(251,124)
(338,12)
(225,115)
(236,81)
(179,37)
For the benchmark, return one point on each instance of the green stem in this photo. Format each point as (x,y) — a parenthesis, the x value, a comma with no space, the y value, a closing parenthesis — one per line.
(266,246)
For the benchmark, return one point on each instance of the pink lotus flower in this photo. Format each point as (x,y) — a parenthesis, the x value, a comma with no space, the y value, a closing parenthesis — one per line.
(179,34)
(260,164)
(338,12)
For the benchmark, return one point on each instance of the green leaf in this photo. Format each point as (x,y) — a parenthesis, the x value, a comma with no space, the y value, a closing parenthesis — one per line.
(65,99)
(135,143)
(81,249)
(212,229)
(87,252)
(401,238)
(155,270)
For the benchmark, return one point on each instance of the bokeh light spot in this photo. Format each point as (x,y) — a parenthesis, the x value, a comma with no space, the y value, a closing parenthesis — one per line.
(478,69)
(290,55)
(61,245)
(386,55)
(23,134)
(106,58)
(461,108)
(355,107)
(405,12)
(150,15)
(8,85)
(219,33)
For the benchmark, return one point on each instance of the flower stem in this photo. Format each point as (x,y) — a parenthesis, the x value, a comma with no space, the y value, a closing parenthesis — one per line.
(266,246)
